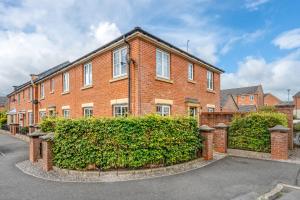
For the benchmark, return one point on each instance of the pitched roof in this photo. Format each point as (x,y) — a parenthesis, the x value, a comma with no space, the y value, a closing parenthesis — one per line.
(3,101)
(237,91)
(297,94)
(135,30)
(247,108)
(270,94)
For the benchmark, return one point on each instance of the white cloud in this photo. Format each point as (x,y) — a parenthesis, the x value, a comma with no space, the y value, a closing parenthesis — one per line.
(288,40)
(105,32)
(276,76)
(254,4)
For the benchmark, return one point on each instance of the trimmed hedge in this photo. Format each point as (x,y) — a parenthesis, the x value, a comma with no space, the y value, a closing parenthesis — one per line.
(3,119)
(251,131)
(133,142)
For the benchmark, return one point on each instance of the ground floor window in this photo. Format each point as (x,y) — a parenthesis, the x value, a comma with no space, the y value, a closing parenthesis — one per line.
(193,111)
(30,118)
(88,112)
(163,110)
(43,114)
(66,113)
(210,109)
(120,110)
(52,113)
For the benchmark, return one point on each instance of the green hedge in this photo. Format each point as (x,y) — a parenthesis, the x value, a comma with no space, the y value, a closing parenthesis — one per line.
(48,124)
(251,132)
(133,142)
(3,119)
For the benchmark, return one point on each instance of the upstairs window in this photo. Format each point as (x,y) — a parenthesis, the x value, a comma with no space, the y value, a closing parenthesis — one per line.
(120,110)
(66,85)
(88,111)
(191,72)
(210,109)
(251,98)
(162,64)
(120,63)
(87,74)
(210,80)
(163,110)
(42,91)
(30,97)
(52,85)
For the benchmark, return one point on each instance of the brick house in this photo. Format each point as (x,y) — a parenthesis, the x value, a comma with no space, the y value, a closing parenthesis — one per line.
(271,100)
(296,102)
(137,73)
(242,99)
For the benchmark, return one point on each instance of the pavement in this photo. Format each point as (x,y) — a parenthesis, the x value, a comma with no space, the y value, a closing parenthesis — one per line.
(230,178)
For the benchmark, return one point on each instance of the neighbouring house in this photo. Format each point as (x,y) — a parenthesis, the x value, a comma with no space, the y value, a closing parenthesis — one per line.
(296,102)
(271,100)
(137,73)
(244,99)
(3,103)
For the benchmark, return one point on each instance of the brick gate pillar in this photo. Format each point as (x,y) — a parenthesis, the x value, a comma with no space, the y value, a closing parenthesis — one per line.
(34,146)
(208,135)
(220,138)
(288,110)
(47,141)
(279,142)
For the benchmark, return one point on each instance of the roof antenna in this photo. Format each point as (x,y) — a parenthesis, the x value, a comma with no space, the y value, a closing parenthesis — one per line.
(187,45)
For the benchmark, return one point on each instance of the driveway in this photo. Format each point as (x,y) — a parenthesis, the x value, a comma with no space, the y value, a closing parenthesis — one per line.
(229,178)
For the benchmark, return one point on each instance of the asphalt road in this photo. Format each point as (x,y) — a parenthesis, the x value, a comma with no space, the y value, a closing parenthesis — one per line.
(230,178)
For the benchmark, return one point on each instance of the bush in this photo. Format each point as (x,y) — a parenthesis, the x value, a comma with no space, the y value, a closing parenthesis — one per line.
(297,127)
(48,124)
(3,119)
(267,109)
(24,130)
(251,132)
(133,142)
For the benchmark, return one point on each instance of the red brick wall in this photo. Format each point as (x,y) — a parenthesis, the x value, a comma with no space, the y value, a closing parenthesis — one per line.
(270,100)
(213,118)
(297,102)
(145,88)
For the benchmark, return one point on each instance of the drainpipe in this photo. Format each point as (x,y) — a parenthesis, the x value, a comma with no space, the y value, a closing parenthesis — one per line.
(129,74)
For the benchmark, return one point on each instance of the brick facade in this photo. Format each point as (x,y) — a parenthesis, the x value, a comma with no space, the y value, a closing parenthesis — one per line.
(146,89)
(271,100)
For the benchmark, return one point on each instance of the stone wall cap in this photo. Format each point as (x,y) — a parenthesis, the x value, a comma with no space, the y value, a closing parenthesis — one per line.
(36,134)
(221,125)
(279,128)
(205,128)
(48,137)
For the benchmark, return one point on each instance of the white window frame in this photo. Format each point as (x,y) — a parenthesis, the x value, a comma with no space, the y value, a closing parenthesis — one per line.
(88,74)
(251,97)
(42,90)
(66,82)
(210,80)
(66,113)
(210,109)
(52,85)
(122,112)
(88,109)
(164,63)
(30,118)
(30,94)
(163,111)
(42,114)
(191,71)
(117,64)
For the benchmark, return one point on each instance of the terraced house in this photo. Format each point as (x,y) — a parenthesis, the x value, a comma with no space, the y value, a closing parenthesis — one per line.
(137,74)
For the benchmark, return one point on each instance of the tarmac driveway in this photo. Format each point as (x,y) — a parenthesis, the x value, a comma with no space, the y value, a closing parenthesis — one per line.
(229,178)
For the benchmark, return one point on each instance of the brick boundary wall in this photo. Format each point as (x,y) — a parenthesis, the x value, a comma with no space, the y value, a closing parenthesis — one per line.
(208,136)
(279,142)
(213,118)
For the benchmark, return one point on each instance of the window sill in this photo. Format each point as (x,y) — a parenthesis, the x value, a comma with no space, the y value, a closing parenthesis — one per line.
(192,81)
(211,91)
(64,93)
(42,98)
(52,92)
(118,79)
(164,80)
(87,87)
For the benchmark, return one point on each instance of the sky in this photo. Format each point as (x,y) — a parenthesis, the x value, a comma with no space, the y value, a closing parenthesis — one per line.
(254,41)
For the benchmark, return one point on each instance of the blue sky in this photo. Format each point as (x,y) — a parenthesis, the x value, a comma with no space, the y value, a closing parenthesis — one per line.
(254,41)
